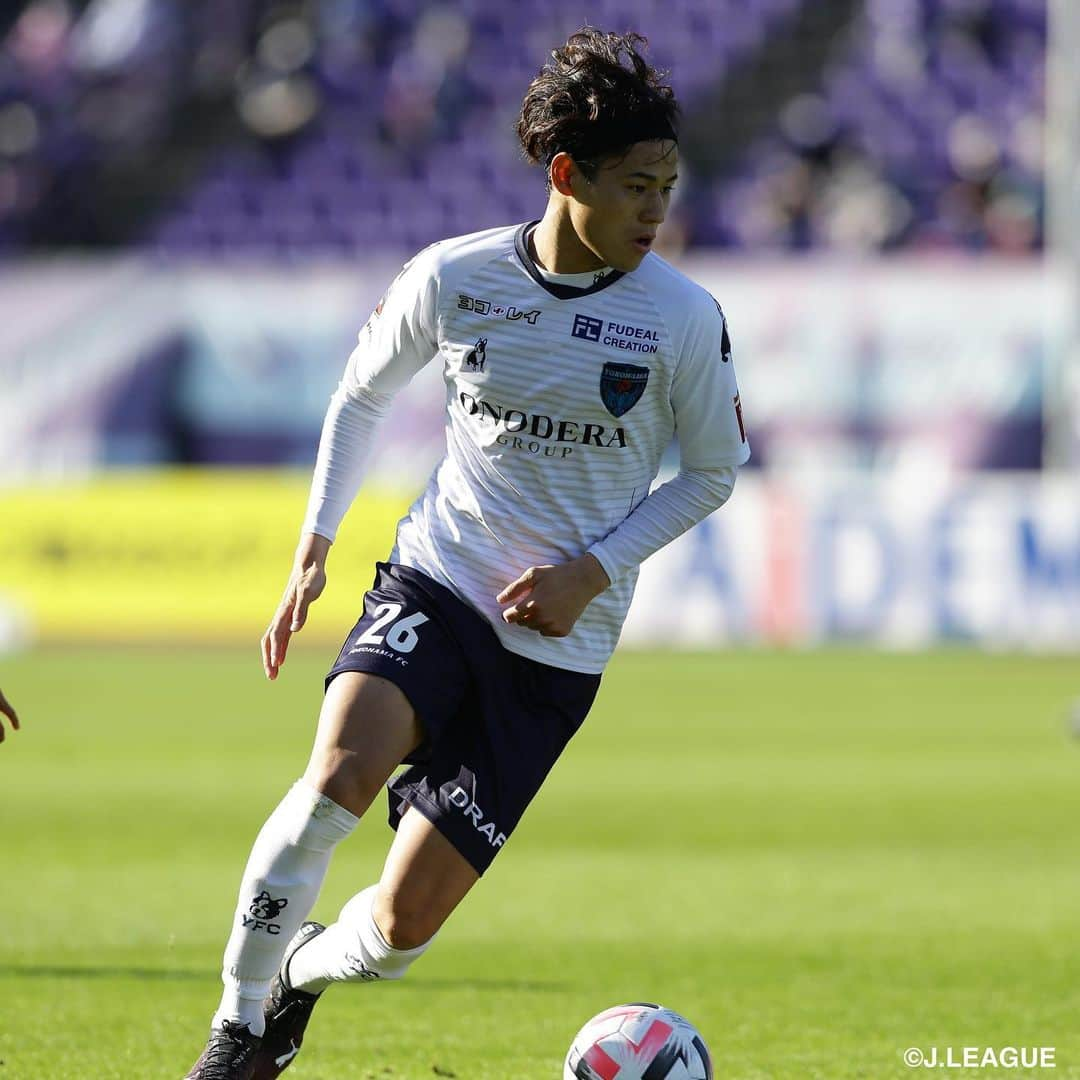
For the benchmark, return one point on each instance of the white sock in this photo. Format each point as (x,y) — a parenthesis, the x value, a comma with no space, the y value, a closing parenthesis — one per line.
(281,882)
(350,950)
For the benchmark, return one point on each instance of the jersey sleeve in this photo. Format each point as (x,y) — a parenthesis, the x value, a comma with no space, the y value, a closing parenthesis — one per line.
(663,515)
(401,335)
(399,338)
(705,394)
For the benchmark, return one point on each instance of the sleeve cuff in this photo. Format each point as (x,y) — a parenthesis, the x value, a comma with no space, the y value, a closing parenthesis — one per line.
(600,555)
(318,530)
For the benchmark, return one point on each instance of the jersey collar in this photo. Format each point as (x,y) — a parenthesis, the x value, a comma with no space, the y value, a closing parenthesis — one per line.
(557,289)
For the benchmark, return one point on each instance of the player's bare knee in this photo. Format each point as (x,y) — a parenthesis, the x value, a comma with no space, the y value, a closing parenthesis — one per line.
(342,775)
(404,922)
(406,931)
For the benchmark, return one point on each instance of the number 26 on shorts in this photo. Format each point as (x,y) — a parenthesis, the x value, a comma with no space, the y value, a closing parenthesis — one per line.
(401,637)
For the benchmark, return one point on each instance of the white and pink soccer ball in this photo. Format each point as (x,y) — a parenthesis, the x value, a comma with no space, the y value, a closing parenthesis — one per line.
(638,1042)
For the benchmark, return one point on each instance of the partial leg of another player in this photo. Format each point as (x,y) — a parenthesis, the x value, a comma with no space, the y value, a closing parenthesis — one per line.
(378,935)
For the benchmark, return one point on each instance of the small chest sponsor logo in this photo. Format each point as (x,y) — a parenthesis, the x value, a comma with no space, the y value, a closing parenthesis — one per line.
(587,328)
(476,357)
(621,387)
(497,311)
(626,336)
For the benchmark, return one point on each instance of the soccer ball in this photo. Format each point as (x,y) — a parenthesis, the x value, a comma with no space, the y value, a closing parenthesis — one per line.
(638,1042)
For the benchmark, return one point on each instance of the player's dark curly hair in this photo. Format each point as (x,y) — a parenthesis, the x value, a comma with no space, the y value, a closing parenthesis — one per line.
(594,99)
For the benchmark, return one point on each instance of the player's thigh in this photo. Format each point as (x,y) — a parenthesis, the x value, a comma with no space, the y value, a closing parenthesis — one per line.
(425,877)
(366,728)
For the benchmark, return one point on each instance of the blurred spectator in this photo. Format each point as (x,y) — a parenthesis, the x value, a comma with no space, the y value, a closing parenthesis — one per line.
(333,126)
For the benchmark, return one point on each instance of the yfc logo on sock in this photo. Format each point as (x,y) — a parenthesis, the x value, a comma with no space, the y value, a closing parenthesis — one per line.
(264,908)
(359,969)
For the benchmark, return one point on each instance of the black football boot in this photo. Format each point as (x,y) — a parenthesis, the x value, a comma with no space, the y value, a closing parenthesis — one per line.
(229,1054)
(286,1012)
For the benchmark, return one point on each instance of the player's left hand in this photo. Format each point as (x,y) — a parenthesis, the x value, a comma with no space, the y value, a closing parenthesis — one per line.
(550,599)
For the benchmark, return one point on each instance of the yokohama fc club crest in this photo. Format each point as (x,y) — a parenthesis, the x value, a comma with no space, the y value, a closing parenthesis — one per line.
(621,386)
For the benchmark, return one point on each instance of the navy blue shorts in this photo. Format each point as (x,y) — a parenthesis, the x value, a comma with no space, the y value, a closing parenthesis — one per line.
(494,722)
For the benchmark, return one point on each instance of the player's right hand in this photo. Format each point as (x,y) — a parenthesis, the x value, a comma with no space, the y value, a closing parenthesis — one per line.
(8,711)
(306,584)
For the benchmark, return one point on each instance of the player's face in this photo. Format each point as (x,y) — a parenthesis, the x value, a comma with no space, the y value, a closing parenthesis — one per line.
(617,215)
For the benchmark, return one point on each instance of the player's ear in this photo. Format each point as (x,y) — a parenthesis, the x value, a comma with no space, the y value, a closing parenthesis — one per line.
(562,173)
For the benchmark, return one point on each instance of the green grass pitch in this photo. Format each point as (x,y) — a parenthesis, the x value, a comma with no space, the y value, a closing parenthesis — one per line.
(822,859)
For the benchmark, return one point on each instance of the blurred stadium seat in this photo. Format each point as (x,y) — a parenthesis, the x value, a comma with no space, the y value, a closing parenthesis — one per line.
(333,127)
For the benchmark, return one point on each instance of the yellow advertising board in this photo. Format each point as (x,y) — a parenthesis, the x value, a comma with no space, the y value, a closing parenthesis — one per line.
(182,555)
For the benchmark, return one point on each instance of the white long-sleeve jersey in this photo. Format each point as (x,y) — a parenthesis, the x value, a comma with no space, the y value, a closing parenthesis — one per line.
(560,402)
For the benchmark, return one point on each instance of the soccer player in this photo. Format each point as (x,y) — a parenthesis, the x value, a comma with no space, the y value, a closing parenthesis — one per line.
(8,710)
(571,354)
